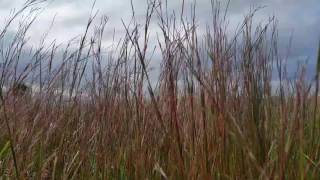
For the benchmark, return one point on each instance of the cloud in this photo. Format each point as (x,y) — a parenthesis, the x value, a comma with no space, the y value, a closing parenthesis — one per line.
(7,4)
(299,19)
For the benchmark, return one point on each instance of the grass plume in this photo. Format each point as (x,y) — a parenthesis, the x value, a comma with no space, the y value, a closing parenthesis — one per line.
(211,110)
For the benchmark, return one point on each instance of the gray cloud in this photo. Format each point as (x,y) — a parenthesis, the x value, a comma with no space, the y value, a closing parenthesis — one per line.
(298,18)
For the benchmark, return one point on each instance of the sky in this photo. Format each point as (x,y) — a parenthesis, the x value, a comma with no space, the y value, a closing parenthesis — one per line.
(299,19)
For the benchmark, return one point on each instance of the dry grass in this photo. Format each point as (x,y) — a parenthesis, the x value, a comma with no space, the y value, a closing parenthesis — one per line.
(213,112)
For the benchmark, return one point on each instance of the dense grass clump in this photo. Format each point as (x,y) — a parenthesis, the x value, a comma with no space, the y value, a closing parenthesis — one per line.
(212,110)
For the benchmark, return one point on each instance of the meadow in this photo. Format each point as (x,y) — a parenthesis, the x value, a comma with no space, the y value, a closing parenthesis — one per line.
(219,106)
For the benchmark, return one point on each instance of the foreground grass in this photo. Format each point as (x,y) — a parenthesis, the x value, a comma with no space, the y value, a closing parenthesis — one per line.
(213,113)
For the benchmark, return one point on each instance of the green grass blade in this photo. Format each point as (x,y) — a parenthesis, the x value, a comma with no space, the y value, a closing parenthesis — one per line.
(4,150)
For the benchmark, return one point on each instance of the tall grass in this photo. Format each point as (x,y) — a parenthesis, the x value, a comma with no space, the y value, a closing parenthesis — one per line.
(212,111)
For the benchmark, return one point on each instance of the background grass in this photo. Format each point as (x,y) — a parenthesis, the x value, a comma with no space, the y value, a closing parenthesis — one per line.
(213,111)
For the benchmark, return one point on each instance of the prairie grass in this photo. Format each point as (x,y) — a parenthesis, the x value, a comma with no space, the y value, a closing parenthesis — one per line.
(212,112)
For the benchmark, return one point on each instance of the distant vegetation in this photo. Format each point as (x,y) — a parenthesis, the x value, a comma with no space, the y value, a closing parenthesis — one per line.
(215,110)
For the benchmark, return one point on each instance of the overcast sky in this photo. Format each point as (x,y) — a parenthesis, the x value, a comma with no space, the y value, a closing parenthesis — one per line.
(299,18)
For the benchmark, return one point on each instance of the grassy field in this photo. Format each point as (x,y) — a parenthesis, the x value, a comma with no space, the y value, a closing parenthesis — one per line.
(220,107)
